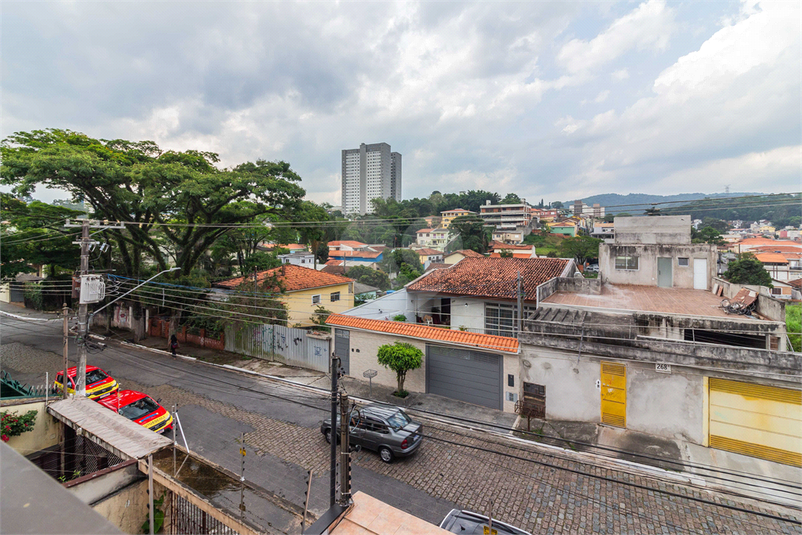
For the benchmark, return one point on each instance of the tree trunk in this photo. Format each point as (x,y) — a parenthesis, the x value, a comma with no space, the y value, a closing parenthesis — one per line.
(401,377)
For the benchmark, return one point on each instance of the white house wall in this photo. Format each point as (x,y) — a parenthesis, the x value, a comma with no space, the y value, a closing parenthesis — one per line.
(386,307)
(468,313)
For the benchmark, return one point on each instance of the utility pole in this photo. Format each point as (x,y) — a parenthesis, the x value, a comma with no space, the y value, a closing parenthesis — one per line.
(83,307)
(83,316)
(345,453)
(335,369)
(520,304)
(65,377)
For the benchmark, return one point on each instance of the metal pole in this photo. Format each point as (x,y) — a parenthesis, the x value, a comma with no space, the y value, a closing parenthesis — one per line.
(306,504)
(520,304)
(150,492)
(64,377)
(335,360)
(345,454)
(83,313)
(242,478)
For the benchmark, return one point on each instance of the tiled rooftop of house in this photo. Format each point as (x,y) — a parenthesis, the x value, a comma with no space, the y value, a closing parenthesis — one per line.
(771,258)
(347,243)
(467,253)
(424,230)
(437,265)
(367,253)
(426,332)
(779,248)
(629,297)
(515,254)
(290,277)
(429,252)
(495,278)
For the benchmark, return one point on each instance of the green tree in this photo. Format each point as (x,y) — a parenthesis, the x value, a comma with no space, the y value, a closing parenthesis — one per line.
(718,224)
(557,204)
(179,194)
(400,357)
(370,276)
(506,253)
(313,234)
(320,316)
(580,248)
(748,270)
(511,198)
(472,232)
(793,325)
(33,235)
(707,235)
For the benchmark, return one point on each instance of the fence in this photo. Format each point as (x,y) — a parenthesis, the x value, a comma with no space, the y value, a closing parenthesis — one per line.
(160,328)
(295,347)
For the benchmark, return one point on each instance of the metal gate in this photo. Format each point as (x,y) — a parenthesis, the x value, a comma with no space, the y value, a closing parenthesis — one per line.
(187,519)
(465,375)
(342,348)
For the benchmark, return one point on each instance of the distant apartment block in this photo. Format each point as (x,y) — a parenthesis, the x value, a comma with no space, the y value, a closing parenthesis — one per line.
(447,216)
(513,222)
(581,209)
(369,172)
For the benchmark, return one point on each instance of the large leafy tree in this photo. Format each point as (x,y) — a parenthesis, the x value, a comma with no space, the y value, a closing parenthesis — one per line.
(748,270)
(370,276)
(33,235)
(471,231)
(580,248)
(169,193)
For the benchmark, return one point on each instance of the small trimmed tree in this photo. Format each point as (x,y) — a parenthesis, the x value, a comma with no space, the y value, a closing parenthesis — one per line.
(400,357)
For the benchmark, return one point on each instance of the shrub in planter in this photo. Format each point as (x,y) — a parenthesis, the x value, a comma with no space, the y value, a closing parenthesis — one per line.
(13,425)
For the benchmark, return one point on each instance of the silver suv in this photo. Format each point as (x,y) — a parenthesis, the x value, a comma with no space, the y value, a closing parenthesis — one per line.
(382,428)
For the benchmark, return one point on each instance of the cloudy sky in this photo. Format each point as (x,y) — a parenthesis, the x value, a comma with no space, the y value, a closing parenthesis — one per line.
(551,100)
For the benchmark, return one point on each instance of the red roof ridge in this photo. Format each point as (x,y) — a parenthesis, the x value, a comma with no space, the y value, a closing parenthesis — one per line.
(413,330)
(292,277)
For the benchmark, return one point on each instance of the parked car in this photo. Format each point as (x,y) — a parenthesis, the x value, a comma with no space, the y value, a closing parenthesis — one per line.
(98,383)
(592,268)
(469,523)
(140,408)
(382,428)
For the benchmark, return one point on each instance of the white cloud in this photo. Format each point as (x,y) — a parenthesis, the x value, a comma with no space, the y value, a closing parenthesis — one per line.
(620,74)
(601,97)
(650,25)
(734,100)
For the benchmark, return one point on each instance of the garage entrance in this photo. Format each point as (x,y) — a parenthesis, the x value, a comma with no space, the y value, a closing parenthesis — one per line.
(470,376)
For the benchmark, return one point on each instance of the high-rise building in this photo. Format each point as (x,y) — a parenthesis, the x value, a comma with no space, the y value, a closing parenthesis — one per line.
(369,172)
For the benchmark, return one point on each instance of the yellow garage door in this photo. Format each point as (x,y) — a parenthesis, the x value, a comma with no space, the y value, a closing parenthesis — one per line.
(756,420)
(614,394)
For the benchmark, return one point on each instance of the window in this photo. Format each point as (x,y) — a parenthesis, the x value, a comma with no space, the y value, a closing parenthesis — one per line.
(626,262)
(683,262)
(776,291)
(315,299)
(335,296)
(500,319)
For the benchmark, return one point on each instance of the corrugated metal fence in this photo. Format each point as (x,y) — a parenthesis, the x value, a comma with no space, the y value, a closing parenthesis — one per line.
(295,347)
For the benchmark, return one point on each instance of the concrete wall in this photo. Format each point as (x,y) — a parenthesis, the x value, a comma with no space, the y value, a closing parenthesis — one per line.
(468,313)
(364,351)
(386,307)
(300,307)
(652,230)
(45,429)
(573,393)
(128,508)
(5,293)
(646,274)
(99,485)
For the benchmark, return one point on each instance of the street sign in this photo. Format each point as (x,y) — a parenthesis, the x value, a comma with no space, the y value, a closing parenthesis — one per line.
(370,374)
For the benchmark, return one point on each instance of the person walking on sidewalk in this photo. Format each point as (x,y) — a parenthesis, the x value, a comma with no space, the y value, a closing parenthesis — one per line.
(173,344)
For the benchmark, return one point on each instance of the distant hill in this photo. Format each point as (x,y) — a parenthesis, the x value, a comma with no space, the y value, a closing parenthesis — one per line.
(636,203)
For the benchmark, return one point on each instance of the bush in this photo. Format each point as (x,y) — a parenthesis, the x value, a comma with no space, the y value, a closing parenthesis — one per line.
(399,317)
(13,425)
(793,324)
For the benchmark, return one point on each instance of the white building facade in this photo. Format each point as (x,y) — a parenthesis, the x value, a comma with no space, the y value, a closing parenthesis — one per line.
(369,172)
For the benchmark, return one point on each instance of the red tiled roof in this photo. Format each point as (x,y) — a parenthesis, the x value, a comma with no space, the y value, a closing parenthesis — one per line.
(424,230)
(467,253)
(413,330)
(355,254)
(766,241)
(499,246)
(292,278)
(347,243)
(796,283)
(456,210)
(491,277)
(771,258)
(779,248)
(428,252)
(334,270)
(437,265)
(515,254)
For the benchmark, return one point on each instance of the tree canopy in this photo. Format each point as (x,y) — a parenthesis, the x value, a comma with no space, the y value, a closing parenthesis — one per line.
(400,357)
(580,248)
(167,193)
(748,270)
(472,233)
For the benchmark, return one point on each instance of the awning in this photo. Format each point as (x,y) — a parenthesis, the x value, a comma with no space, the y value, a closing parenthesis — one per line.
(105,427)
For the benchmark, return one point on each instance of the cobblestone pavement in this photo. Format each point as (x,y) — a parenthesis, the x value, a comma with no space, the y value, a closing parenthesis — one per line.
(542,493)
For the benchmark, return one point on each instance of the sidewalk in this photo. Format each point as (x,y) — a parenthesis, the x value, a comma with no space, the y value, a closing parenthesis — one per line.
(356,387)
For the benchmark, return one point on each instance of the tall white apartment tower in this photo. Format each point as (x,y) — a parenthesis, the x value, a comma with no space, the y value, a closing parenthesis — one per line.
(369,172)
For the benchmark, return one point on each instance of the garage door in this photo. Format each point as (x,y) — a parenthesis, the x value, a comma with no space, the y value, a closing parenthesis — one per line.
(756,420)
(465,375)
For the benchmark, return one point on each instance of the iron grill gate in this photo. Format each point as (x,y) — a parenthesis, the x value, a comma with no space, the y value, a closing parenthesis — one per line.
(187,519)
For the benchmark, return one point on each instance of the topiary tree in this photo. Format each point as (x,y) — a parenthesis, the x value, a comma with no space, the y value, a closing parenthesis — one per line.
(400,357)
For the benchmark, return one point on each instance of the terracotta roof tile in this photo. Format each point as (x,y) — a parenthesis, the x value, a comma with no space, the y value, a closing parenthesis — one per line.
(796,283)
(425,230)
(771,258)
(437,265)
(334,270)
(425,332)
(491,277)
(291,277)
(355,254)
(347,243)
(428,252)
(467,253)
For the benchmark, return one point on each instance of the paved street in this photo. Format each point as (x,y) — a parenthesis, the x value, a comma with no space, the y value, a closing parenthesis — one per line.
(522,485)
